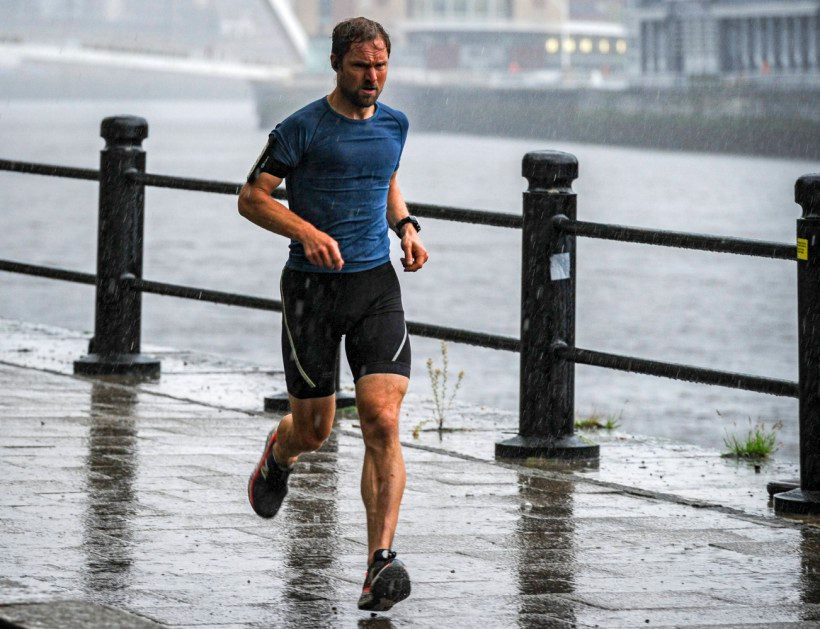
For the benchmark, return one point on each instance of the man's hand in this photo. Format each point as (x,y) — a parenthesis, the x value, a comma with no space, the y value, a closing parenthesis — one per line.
(415,255)
(322,250)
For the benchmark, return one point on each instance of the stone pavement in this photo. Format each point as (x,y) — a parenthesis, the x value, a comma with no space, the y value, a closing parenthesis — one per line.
(124,505)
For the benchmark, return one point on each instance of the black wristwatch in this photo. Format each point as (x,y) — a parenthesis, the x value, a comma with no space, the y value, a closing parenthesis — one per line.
(407,219)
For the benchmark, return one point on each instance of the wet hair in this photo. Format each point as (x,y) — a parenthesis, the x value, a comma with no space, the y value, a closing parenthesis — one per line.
(355,31)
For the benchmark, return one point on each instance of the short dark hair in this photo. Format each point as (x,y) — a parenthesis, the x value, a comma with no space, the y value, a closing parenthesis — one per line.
(355,31)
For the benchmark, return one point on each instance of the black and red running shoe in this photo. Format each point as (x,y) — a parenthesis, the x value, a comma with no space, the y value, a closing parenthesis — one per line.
(386,582)
(268,484)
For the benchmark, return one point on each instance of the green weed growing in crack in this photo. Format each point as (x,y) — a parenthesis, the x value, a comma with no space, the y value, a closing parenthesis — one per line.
(599,421)
(759,442)
(442,396)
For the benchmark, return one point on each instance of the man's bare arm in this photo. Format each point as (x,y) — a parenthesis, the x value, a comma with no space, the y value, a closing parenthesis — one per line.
(415,255)
(258,206)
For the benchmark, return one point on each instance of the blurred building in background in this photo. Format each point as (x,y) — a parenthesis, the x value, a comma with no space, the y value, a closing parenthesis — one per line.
(770,41)
(526,41)
(319,16)
(609,43)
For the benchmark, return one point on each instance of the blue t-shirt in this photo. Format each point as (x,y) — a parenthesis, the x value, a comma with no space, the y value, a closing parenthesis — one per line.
(338,173)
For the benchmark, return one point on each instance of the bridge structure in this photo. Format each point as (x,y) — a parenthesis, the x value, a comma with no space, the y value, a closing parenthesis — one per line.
(13,53)
(258,40)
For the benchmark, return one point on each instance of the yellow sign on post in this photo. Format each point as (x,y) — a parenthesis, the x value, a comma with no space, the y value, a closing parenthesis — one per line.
(802,249)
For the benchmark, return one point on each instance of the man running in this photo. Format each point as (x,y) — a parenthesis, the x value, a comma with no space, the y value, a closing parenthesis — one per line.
(340,155)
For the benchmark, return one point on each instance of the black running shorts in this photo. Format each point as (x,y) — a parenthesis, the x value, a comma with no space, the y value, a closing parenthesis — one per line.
(319,308)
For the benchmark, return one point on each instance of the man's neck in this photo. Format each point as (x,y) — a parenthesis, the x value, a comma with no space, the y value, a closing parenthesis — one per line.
(343,106)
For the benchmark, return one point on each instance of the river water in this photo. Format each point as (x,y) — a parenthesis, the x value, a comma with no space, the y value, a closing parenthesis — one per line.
(714,310)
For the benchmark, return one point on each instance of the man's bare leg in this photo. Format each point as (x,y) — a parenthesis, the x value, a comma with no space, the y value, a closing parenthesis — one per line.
(301,431)
(305,429)
(378,399)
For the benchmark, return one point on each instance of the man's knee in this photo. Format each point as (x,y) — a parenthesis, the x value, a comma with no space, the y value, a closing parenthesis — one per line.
(378,399)
(313,424)
(313,440)
(380,425)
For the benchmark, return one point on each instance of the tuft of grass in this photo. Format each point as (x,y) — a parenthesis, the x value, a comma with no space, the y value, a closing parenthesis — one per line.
(599,421)
(442,395)
(759,442)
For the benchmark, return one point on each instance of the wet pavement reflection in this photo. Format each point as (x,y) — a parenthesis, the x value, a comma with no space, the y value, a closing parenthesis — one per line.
(545,549)
(111,467)
(810,573)
(312,543)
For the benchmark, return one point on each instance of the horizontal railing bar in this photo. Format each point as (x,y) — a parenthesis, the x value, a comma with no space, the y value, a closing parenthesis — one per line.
(231,299)
(720,244)
(202,294)
(424,210)
(460,215)
(455,335)
(47,271)
(188,183)
(49,170)
(678,372)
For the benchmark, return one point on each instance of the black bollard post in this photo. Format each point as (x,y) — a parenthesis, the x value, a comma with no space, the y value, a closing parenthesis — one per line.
(115,348)
(547,397)
(806,498)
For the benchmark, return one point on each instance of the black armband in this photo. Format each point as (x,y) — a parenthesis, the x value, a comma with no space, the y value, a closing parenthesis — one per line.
(265,163)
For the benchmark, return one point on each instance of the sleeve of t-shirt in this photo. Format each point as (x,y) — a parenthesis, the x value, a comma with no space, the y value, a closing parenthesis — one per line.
(283,151)
(404,125)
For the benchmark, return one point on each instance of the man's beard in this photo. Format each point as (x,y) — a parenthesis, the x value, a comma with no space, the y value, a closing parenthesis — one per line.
(355,97)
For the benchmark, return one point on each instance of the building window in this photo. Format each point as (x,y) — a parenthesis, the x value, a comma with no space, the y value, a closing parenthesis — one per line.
(472,9)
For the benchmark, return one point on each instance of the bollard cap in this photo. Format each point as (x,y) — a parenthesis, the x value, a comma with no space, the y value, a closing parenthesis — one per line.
(550,169)
(807,195)
(124,129)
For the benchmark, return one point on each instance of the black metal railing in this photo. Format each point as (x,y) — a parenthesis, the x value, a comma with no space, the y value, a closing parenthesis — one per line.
(677,372)
(48,272)
(547,344)
(49,170)
(718,244)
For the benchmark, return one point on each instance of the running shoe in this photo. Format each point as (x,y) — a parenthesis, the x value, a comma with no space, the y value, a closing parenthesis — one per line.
(386,582)
(268,484)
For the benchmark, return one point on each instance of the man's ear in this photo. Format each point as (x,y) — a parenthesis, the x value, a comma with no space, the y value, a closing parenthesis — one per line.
(334,63)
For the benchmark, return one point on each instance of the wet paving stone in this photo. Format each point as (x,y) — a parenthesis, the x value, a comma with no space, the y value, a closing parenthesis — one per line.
(71,614)
(144,511)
